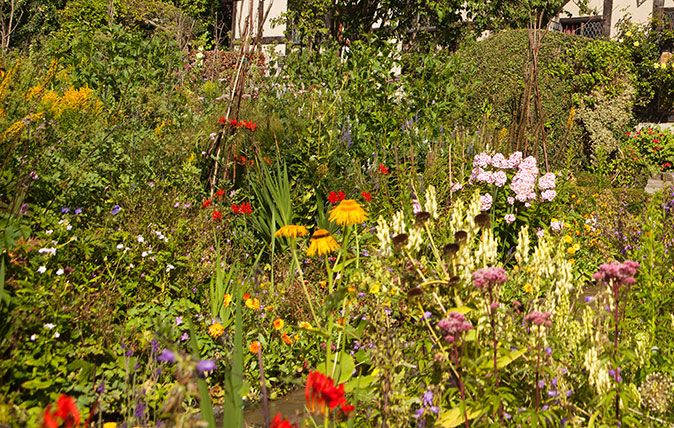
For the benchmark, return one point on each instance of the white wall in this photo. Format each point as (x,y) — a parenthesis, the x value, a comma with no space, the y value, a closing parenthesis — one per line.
(242,8)
(621,9)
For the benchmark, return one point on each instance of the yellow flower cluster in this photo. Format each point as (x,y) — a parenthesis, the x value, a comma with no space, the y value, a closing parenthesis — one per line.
(216,330)
(15,129)
(73,100)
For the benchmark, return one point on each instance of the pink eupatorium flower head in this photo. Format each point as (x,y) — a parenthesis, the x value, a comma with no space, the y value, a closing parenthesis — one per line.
(488,277)
(619,273)
(539,318)
(453,326)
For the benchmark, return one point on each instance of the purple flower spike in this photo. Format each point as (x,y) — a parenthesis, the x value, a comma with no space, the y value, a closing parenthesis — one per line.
(204,366)
(115,210)
(65,210)
(166,356)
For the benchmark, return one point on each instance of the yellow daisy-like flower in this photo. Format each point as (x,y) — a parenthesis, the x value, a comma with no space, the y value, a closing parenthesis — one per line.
(227,299)
(322,243)
(278,324)
(347,213)
(255,347)
(573,249)
(528,288)
(305,325)
(291,231)
(567,239)
(253,303)
(216,330)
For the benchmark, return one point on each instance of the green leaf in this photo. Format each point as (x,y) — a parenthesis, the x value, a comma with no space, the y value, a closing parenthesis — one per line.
(504,360)
(37,384)
(340,368)
(455,417)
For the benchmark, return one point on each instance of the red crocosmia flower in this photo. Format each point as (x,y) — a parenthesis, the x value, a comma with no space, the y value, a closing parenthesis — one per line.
(207,203)
(220,193)
(347,408)
(246,208)
(334,197)
(366,195)
(280,422)
(236,209)
(217,215)
(222,120)
(322,395)
(66,412)
(384,169)
(233,123)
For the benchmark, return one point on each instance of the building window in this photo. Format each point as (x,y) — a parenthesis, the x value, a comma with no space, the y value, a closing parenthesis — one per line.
(588,26)
(668,17)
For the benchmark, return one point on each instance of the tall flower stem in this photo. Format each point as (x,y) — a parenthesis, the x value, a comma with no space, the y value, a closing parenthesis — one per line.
(304,285)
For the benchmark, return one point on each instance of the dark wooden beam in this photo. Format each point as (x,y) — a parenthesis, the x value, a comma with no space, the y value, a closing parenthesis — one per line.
(607,13)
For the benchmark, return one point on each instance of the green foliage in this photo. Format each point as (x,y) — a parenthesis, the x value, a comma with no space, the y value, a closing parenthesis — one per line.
(655,145)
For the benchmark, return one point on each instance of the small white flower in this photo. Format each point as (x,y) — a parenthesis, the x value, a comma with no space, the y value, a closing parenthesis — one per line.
(51,251)
(59,272)
(169,267)
(33,337)
(70,226)
(49,326)
(140,238)
(131,266)
(57,335)
(42,269)
(61,221)
(48,232)
(144,254)
(120,246)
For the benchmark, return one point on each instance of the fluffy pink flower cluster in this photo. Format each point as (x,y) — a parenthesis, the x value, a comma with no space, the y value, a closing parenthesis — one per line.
(539,318)
(619,273)
(524,182)
(453,326)
(488,277)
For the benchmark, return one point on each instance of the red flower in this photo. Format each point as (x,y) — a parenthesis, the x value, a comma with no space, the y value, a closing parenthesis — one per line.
(66,411)
(220,193)
(384,169)
(246,208)
(236,209)
(347,408)
(366,195)
(322,394)
(233,123)
(217,215)
(280,422)
(207,203)
(222,120)
(334,197)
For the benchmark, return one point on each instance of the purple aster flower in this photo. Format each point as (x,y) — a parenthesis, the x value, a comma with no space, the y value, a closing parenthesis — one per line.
(588,299)
(139,411)
(155,346)
(204,366)
(78,211)
(166,356)
(65,210)
(548,350)
(179,320)
(100,389)
(116,209)
(185,337)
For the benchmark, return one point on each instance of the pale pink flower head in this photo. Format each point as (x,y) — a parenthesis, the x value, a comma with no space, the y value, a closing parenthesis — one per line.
(489,277)
(453,326)
(548,195)
(547,181)
(482,160)
(499,178)
(515,159)
(617,273)
(539,318)
(556,225)
(486,201)
(499,161)
(509,218)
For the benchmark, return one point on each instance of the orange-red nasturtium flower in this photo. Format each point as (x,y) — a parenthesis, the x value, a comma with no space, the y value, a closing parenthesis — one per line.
(207,203)
(217,215)
(322,395)
(280,422)
(384,169)
(366,195)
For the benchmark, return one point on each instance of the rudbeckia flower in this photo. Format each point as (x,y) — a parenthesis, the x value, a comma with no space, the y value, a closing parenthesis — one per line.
(278,324)
(291,231)
(216,330)
(254,347)
(347,213)
(322,243)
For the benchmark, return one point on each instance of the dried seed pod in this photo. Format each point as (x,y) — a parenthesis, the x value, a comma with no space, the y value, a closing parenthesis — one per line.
(453,280)
(400,240)
(450,250)
(483,220)
(414,292)
(460,236)
(422,217)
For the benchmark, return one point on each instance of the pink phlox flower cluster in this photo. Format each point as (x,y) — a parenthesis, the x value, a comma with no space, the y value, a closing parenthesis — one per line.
(499,178)
(547,181)
(488,277)
(556,225)
(548,195)
(453,326)
(524,181)
(482,160)
(509,218)
(539,318)
(619,273)
(456,187)
(486,201)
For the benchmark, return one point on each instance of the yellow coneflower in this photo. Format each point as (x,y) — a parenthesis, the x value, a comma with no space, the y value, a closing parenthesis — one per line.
(216,330)
(227,300)
(278,324)
(253,304)
(347,213)
(322,243)
(291,231)
(304,325)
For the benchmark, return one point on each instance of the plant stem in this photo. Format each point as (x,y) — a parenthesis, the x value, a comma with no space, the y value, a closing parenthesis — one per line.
(304,286)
